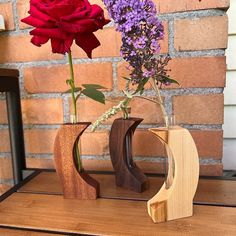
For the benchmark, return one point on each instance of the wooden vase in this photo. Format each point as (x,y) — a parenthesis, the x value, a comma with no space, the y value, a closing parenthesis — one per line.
(127,173)
(75,184)
(175,198)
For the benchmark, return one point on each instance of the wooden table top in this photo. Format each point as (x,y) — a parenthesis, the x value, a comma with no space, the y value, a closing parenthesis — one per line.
(39,206)
(108,217)
(210,191)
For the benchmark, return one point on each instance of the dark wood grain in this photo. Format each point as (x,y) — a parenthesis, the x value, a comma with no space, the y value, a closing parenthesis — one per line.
(74,184)
(209,191)
(9,72)
(108,217)
(128,174)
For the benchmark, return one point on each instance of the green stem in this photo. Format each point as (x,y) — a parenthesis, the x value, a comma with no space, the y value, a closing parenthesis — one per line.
(72,85)
(164,113)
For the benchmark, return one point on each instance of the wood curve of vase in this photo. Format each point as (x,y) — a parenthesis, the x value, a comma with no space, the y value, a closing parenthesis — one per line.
(75,184)
(175,198)
(127,173)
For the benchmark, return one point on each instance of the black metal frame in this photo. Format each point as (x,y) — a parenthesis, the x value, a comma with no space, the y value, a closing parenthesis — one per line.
(9,83)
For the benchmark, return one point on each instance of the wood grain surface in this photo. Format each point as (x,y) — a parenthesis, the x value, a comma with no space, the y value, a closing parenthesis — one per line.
(209,191)
(175,198)
(14,232)
(75,184)
(9,72)
(128,174)
(109,217)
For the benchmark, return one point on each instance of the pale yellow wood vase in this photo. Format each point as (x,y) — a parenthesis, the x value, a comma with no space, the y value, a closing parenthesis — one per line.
(175,198)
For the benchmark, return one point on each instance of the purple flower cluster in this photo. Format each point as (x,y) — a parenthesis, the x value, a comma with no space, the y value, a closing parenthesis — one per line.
(141,31)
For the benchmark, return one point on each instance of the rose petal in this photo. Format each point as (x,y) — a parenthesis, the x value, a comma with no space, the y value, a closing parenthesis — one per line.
(87,42)
(96,11)
(58,11)
(30,20)
(76,15)
(50,33)
(61,46)
(38,14)
(81,26)
(39,40)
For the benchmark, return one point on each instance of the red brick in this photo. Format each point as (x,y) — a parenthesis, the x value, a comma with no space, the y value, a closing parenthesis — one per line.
(43,163)
(198,72)
(199,109)
(201,33)
(190,72)
(3,112)
(42,111)
(52,79)
(6,12)
(167,6)
(209,143)
(95,143)
(22,10)
(5,141)
(19,49)
(5,168)
(211,170)
(89,110)
(110,41)
(39,141)
(146,144)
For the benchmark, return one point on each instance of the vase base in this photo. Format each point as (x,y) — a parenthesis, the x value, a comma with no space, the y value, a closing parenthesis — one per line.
(86,188)
(133,180)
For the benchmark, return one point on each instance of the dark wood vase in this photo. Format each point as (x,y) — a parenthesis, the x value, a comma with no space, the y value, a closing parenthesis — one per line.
(75,184)
(127,173)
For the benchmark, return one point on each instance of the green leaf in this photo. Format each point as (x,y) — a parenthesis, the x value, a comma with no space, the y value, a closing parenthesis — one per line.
(93,86)
(77,89)
(141,85)
(126,78)
(94,94)
(172,81)
(127,94)
(68,81)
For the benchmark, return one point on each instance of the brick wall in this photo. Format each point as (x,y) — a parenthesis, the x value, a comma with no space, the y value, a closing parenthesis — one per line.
(196,38)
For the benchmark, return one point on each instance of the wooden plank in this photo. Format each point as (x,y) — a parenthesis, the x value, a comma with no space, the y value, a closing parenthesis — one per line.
(219,192)
(229,126)
(13,232)
(229,92)
(108,217)
(231,53)
(229,158)
(232,17)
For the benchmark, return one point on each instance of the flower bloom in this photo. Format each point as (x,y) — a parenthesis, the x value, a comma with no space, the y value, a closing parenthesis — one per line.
(141,32)
(63,21)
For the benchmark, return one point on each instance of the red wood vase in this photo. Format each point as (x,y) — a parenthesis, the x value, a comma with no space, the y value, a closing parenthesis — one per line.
(75,184)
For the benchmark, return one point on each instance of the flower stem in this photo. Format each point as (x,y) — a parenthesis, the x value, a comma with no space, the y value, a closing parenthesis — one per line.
(160,101)
(72,85)
(74,120)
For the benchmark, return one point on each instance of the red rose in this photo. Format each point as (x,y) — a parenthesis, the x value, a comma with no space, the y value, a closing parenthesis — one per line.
(62,21)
